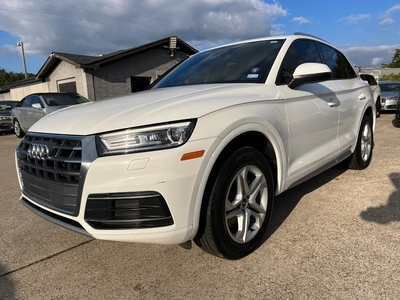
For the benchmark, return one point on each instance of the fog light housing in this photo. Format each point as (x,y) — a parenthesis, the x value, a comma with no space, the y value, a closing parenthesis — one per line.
(127,210)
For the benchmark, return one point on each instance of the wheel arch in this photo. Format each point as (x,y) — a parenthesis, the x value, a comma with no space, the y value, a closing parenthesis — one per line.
(370,113)
(23,131)
(253,139)
(265,142)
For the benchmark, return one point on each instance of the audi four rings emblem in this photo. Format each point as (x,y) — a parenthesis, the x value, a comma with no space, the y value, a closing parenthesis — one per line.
(39,151)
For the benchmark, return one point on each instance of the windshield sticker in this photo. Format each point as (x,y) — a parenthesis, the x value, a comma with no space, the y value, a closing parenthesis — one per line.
(254,70)
(252,76)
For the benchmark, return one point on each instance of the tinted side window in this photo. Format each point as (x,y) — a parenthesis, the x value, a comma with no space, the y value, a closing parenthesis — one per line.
(365,78)
(301,51)
(373,81)
(339,65)
(369,78)
(36,99)
(27,102)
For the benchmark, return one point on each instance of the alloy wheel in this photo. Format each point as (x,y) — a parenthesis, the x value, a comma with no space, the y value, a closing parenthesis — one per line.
(246,204)
(366,142)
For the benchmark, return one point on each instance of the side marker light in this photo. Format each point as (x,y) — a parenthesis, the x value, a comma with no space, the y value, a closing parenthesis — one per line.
(192,155)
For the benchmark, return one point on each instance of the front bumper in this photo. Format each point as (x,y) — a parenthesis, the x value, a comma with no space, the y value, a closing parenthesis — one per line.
(149,173)
(5,125)
(389,104)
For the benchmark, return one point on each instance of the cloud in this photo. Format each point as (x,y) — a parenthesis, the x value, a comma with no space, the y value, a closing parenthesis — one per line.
(279,29)
(301,20)
(102,26)
(386,21)
(9,51)
(355,18)
(378,61)
(370,56)
(392,10)
(387,15)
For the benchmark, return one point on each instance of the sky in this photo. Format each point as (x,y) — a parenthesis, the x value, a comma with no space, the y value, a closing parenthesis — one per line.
(367,31)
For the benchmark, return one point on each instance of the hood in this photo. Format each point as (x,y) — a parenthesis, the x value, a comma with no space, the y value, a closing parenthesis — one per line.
(388,94)
(5,112)
(150,107)
(52,109)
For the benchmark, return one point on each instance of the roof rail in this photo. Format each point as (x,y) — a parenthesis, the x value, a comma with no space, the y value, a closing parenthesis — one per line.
(306,34)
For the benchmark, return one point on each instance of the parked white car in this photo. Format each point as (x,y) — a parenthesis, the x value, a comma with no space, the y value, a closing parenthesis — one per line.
(375,89)
(202,154)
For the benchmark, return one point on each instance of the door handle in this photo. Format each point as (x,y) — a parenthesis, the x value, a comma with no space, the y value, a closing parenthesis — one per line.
(333,103)
(362,97)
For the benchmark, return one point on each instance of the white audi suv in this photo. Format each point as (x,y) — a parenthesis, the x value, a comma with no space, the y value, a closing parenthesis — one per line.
(202,153)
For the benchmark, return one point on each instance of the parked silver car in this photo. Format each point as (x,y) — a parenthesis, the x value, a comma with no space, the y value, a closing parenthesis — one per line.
(390,93)
(5,114)
(35,106)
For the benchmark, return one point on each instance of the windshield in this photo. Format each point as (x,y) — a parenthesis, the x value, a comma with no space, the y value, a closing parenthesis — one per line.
(7,105)
(64,99)
(390,86)
(244,63)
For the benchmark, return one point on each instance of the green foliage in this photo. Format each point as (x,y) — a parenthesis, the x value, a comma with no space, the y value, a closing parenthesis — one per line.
(10,77)
(390,77)
(395,61)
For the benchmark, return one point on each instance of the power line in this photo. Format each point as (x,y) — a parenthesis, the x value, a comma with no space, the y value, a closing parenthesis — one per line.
(69,19)
(133,13)
(101,14)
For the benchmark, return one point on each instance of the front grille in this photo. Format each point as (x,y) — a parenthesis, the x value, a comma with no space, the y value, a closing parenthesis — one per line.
(127,210)
(5,126)
(50,170)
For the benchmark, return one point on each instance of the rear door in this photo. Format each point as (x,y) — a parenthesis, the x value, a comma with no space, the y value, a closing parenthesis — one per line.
(351,92)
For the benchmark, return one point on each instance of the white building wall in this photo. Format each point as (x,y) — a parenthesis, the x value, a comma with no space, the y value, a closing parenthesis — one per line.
(21,92)
(65,72)
(6,96)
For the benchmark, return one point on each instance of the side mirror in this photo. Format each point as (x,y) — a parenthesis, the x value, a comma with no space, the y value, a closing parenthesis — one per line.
(310,73)
(37,106)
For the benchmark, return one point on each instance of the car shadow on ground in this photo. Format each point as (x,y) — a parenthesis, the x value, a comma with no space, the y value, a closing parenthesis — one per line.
(287,201)
(6,133)
(6,285)
(384,214)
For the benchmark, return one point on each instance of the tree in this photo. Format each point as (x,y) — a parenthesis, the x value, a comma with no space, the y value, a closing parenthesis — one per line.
(10,77)
(391,76)
(395,61)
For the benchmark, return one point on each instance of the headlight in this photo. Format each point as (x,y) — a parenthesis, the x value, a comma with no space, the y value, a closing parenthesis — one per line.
(5,118)
(145,138)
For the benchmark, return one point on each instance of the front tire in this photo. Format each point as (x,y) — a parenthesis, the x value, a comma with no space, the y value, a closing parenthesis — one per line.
(239,205)
(18,130)
(362,155)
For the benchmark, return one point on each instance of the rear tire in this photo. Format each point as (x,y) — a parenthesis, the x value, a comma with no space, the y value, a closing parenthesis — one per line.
(361,158)
(17,129)
(238,205)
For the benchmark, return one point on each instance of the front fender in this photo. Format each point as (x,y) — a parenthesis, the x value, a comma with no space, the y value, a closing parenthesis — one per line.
(228,134)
